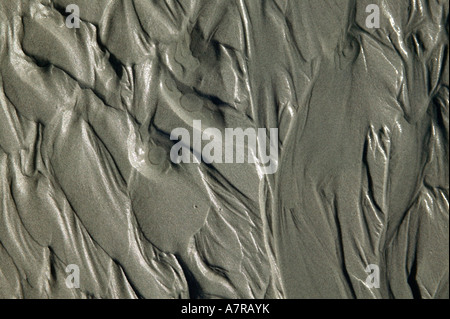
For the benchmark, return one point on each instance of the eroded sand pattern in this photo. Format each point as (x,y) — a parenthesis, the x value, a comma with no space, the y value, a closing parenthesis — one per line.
(86,177)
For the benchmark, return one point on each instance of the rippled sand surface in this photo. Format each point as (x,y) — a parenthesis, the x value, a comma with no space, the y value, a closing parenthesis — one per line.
(362,177)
